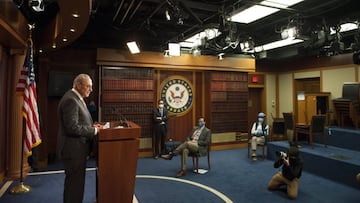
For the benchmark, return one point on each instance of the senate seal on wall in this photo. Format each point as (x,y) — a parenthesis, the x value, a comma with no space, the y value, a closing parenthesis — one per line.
(177,93)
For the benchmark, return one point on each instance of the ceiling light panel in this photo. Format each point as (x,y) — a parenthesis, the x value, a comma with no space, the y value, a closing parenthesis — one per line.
(280,3)
(265,8)
(133,47)
(345,27)
(252,14)
(278,44)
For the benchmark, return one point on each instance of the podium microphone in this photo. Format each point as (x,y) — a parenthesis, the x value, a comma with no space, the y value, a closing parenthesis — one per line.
(126,122)
(121,117)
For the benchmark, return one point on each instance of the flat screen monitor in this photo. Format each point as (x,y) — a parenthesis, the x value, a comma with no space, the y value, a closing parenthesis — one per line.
(59,82)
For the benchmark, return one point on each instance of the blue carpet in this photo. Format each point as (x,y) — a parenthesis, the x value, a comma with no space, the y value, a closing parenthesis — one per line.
(232,174)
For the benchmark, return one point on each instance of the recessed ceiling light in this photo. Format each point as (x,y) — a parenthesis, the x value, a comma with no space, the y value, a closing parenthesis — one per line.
(75,15)
(64,39)
(72,30)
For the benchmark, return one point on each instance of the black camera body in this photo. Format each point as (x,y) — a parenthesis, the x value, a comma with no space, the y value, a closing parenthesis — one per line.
(281,154)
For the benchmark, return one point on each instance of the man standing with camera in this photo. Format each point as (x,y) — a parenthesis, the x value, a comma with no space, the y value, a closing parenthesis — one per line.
(292,165)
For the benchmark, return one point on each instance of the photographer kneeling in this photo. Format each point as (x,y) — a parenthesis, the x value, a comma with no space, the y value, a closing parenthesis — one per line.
(290,173)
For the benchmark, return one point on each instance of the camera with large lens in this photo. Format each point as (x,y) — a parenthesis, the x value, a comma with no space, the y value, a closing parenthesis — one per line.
(281,154)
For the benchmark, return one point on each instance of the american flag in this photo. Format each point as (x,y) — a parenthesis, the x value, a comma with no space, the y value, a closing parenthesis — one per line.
(27,87)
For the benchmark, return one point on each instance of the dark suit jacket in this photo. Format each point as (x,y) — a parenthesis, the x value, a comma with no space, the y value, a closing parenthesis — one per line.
(204,140)
(76,130)
(157,121)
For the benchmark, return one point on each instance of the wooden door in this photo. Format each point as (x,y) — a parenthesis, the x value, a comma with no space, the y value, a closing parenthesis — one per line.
(254,105)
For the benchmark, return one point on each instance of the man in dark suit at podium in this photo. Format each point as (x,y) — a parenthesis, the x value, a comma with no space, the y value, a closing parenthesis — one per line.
(197,141)
(75,136)
(160,118)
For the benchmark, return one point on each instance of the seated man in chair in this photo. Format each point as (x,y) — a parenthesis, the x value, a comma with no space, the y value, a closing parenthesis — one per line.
(197,141)
(259,131)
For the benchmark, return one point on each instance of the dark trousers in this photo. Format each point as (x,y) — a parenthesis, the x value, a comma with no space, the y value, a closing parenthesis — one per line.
(75,157)
(159,140)
(74,180)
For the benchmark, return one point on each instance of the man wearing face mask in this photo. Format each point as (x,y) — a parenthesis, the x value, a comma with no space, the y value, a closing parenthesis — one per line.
(160,119)
(292,166)
(259,132)
(197,141)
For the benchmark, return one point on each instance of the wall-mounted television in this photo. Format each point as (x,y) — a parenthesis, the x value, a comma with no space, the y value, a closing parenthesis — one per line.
(59,82)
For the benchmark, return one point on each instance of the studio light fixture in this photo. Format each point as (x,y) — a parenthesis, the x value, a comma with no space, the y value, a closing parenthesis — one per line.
(198,39)
(247,46)
(167,15)
(37,5)
(221,56)
(196,51)
(261,10)
(133,47)
(289,33)
(166,53)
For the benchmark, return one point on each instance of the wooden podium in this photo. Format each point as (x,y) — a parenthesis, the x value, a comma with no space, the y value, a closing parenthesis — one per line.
(117,161)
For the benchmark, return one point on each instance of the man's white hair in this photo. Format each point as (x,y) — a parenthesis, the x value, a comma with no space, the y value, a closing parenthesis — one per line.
(80,78)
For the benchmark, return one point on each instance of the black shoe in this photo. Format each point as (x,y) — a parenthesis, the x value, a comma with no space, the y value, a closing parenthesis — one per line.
(168,156)
(180,173)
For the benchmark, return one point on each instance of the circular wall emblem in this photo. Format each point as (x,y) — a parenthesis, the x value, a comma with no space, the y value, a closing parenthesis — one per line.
(177,93)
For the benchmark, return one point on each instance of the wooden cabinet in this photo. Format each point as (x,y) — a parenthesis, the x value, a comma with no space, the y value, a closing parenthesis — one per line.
(310,104)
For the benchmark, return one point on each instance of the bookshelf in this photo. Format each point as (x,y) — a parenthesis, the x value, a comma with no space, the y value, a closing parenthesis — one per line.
(229,101)
(128,92)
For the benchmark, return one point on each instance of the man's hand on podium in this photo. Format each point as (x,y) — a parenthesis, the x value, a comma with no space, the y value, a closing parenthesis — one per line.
(98,126)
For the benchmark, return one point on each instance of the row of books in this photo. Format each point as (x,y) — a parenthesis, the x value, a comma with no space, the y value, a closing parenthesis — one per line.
(120,72)
(228,96)
(236,107)
(229,76)
(128,96)
(127,84)
(228,126)
(142,120)
(229,116)
(228,86)
(115,108)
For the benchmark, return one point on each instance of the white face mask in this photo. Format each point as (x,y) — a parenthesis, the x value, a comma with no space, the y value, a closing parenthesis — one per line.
(161,106)
(261,120)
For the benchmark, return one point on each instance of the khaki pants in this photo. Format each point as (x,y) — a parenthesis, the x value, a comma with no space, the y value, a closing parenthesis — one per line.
(184,149)
(256,140)
(279,180)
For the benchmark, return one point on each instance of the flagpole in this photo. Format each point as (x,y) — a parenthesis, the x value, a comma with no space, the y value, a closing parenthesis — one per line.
(22,188)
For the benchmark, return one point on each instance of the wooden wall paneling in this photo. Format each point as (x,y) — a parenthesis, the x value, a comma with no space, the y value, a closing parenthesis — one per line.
(74,61)
(180,125)
(3,110)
